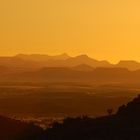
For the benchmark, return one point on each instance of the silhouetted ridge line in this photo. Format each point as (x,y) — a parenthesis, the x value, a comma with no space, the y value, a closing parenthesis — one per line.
(62,60)
(132,109)
(113,127)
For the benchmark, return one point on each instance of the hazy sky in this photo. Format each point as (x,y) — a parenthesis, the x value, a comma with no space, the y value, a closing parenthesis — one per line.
(103,29)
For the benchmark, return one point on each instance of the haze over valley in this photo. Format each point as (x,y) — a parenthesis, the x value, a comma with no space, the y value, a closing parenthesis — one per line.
(59,86)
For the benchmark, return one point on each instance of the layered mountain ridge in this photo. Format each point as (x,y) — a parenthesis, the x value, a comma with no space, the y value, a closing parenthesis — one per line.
(63,68)
(63,60)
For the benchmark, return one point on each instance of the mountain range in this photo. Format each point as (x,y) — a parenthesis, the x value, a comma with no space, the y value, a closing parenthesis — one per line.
(23,61)
(63,68)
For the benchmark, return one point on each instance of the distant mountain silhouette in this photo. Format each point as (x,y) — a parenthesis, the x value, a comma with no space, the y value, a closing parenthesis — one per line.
(31,62)
(131,65)
(64,60)
(112,73)
(39,57)
(35,61)
(66,74)
(78,60)
(16,62)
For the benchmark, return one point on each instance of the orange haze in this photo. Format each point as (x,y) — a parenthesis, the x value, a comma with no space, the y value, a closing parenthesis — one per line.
(103,29)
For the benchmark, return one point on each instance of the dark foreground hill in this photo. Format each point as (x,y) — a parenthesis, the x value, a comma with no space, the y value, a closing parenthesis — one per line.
(11,129)
(124,125)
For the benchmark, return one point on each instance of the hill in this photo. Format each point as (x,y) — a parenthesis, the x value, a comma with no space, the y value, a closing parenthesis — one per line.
(125,125)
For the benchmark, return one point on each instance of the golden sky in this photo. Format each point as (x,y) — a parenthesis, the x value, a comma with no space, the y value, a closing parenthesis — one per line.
(103,29)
